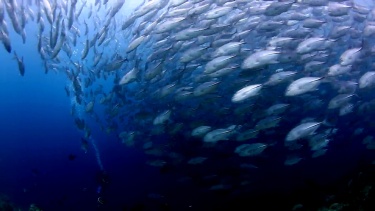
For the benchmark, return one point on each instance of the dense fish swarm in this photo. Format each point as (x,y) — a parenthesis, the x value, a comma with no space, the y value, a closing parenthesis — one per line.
(198,82)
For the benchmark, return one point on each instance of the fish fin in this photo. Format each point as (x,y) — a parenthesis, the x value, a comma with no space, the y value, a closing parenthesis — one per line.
(15,55)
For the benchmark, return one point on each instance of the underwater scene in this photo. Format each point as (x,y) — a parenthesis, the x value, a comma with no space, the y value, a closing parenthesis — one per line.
(187,105)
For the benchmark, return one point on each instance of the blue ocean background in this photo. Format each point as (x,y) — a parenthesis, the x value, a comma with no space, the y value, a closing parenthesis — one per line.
(38,134)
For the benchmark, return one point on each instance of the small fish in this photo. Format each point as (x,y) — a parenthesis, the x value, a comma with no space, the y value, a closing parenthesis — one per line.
(260,58)
(168,24)
(246,92)
(339,101)
(129,76)
(217,63)
(302,131)
(367,80)
(280,77)
(200,131)
(303,85)
(85,49)
(310,45)
(277,8)
(21,65)
(218,12)
(248,134)
(135,43)
(350,56)
(206,88)
(219,134)
(246,150)
(163,118)
(4,37)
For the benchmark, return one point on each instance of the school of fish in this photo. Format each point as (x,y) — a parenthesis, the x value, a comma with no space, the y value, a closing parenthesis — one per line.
(197,82)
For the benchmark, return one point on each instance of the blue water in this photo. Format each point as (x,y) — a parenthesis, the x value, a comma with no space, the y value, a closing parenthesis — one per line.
(38,135)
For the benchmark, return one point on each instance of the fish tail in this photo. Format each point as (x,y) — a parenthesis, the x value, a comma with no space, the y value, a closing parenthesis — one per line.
(15,55)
